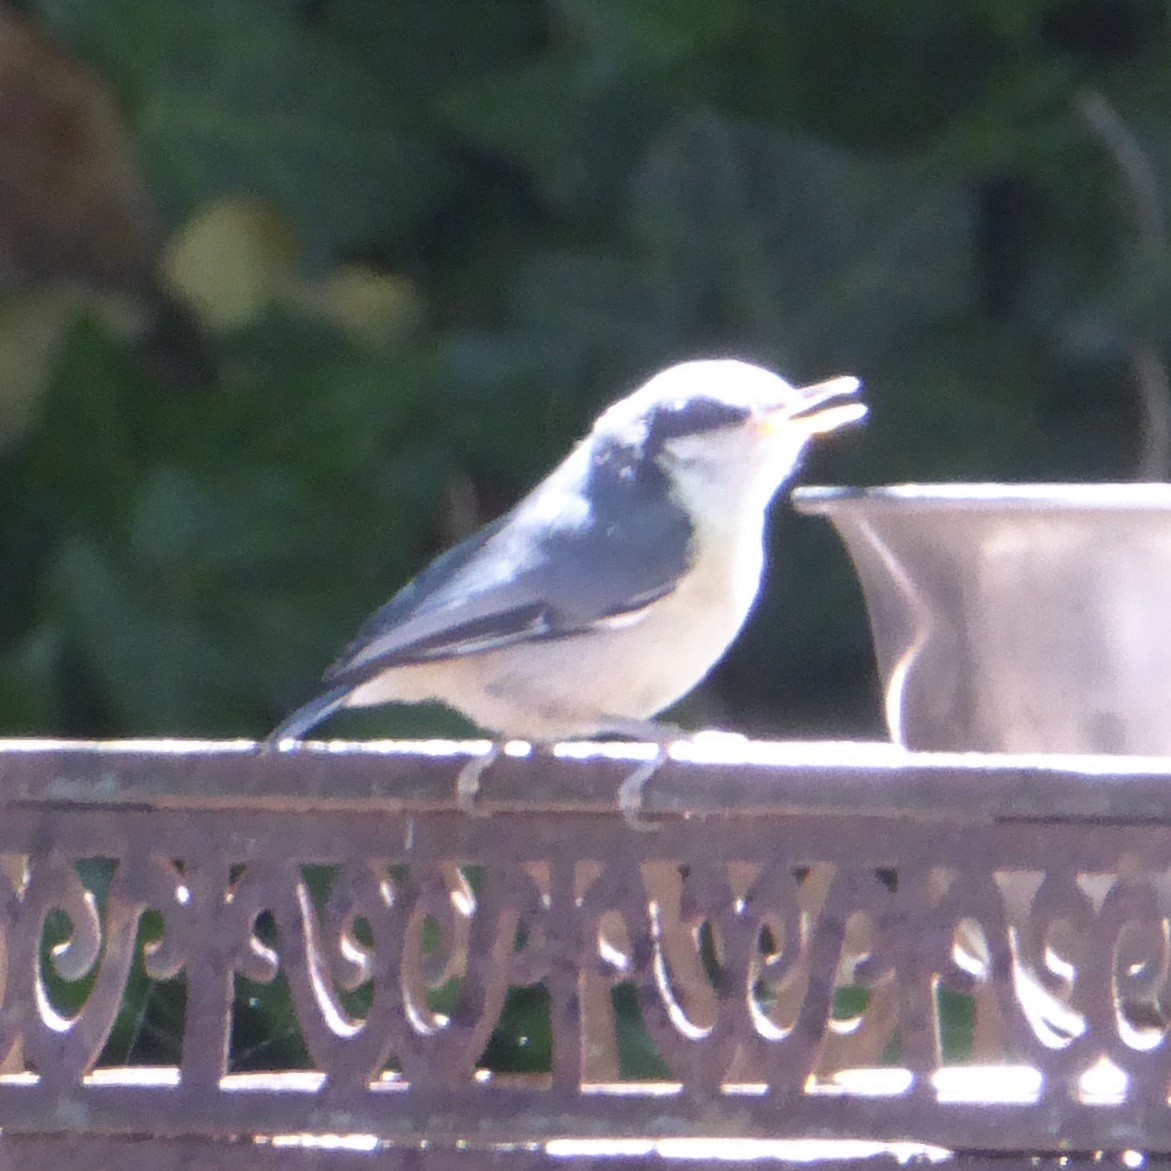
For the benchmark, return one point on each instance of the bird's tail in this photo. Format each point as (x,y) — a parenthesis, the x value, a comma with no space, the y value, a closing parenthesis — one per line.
(307,716)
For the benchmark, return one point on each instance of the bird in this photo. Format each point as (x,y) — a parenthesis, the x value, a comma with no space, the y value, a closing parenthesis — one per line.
(612,589)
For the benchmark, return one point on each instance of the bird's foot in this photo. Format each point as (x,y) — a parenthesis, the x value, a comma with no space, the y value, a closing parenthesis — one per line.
(467,784)
(630,792)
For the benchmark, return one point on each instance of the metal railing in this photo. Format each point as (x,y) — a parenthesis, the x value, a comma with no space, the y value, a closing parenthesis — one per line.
(815,941)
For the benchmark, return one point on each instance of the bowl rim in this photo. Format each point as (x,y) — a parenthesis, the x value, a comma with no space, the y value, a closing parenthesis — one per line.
(988,496)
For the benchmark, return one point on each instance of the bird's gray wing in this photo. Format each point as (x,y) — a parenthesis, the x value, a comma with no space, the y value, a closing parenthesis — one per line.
(611,551)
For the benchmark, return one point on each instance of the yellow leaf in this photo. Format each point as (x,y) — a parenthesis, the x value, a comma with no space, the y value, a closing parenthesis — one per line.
(370,306)
(232,261)
(31,328)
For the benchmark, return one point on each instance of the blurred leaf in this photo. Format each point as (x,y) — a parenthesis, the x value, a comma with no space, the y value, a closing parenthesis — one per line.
(85,453)
(32,328)
(237,96)
(28,684)
(860,67)
(574,124)
(370,306)
(649,31)
(159,676)
(1014,20)
(1131,302)
(420,46)
(950,407)
(542,377)
(810,250)
(174,524)
(232,260)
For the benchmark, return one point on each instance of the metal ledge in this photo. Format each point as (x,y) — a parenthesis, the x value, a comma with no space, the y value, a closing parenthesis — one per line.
(729,776)
(1034,893)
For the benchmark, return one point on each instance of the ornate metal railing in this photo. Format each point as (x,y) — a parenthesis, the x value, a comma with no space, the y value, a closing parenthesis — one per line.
(819,941)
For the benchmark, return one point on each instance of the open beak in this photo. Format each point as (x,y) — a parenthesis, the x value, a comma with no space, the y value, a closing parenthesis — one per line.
(819,408)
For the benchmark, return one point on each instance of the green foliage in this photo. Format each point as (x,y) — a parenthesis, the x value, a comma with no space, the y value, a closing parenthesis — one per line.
(570,194)
(233,96)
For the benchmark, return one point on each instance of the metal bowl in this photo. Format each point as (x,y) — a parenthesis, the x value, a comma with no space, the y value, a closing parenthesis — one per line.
(1016,618)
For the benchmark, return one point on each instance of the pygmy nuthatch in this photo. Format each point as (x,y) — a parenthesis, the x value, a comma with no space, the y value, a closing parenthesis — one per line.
(613,588)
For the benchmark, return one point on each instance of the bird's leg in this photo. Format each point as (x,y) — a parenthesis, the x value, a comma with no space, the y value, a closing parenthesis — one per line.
(630,791)
(467,784)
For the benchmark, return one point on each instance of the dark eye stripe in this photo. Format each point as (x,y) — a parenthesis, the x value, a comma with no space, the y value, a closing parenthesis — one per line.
(691,416)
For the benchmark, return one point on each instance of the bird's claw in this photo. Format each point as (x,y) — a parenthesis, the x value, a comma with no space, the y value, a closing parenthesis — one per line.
(467,784)
(631,789)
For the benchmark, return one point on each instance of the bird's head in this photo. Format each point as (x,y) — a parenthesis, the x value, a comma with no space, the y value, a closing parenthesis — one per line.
(726,434)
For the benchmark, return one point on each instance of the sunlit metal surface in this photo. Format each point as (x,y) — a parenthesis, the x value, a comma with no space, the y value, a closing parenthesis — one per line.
(1016,618)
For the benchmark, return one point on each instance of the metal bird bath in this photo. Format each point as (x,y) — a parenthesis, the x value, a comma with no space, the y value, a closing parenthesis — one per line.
(1016,618)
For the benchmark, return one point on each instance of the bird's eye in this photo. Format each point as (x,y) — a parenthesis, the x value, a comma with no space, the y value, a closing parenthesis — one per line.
(689,416)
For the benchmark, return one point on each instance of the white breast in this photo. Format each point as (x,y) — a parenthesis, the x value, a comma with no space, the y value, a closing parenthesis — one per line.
(694,625)
(566,688)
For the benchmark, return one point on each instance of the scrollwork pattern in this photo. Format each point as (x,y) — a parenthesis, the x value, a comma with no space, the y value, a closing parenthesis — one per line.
(740,965)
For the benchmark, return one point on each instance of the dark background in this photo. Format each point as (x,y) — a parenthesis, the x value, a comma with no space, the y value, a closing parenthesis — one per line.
(426,240)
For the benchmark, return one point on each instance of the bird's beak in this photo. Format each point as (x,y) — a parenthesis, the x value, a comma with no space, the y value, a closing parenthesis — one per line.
(818,408)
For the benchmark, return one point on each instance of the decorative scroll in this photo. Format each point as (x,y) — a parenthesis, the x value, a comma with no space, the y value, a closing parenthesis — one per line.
(740,969)
(765,970)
